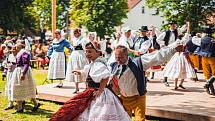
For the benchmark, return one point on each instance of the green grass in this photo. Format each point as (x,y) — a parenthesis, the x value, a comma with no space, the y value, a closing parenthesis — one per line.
(43,113)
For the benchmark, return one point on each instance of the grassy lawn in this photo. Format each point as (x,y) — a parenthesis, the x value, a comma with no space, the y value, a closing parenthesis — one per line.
(43,113)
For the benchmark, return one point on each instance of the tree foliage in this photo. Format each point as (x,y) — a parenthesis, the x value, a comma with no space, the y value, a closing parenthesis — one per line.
(194,11)
(41,11)
(100,16)
(12,15)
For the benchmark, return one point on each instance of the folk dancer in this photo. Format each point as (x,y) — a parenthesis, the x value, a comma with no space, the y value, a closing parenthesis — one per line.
(22,82)
(168,37)
(56,55)
(77,59)
(97,102)
(132,83)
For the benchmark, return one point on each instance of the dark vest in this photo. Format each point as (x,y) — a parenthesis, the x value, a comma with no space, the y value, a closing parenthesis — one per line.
(141,39)
(167,36)
(108,48)
(155,44)
(135,66)
(207,47)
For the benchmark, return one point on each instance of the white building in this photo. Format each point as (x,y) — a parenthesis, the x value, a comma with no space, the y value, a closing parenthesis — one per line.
(139,15)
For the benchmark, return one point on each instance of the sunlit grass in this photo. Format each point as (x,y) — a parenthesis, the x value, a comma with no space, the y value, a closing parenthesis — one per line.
(43,114)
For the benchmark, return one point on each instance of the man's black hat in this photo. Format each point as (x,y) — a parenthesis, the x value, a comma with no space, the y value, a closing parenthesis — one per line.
(144,29)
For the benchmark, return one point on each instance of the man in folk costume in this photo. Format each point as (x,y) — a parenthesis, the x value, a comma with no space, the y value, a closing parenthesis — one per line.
(141,39)
(128,41)
(153,33)
(168,37)
(57,64)
(192,47)
(208,54)
(131,78)
(23,85)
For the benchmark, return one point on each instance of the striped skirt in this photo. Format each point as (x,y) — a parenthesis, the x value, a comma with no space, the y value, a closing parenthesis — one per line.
(22,89)
(57,66)
(77,61)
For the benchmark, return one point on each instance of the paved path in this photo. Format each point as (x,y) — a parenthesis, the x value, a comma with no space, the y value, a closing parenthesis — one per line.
(192,104)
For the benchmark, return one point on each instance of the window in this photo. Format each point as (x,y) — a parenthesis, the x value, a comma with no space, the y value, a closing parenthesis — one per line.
(143,10)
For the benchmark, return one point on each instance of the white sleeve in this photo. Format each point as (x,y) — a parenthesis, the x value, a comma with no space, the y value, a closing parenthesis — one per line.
(145,46)
(196,40)
(182,29)
(160,39)
(157,57)
(157,32)
(85,71)
(185,39)
(99,71)
(123,43)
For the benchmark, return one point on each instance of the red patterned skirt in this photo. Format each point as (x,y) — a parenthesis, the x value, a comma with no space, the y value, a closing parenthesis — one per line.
(74,107)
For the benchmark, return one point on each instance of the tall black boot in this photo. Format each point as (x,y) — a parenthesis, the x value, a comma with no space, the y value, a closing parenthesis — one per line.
(211,86)
(207,88)
(165,82)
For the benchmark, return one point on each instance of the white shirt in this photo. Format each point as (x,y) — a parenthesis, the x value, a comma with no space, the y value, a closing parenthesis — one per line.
(160,38)
(128,82)
(127,42)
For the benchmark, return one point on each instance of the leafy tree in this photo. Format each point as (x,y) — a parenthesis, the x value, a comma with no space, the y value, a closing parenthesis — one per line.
(41,10)
(12,15)
(99,15)
(194,11)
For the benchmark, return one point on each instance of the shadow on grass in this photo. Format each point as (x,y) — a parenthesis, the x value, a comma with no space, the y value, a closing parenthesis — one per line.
(44,112)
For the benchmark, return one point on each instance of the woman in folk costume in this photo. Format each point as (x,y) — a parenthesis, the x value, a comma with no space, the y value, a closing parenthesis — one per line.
(179,66)
(11,64)
(96,103)
(57,64)
(153,33)
(22,82)
(77,59)
(114,44)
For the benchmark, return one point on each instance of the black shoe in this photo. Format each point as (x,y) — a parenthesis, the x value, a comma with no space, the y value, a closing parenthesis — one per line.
(60,85)
(176,88)
(166,84)
(76,91)
(18,111)
(182,87)
(207,88)
(9,108)
(36,107)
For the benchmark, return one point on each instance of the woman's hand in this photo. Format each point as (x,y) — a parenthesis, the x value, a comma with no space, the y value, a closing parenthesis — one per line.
(22,77)
(77,72)
(97,93)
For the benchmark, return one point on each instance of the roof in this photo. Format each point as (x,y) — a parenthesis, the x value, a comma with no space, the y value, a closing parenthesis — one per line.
(132,3)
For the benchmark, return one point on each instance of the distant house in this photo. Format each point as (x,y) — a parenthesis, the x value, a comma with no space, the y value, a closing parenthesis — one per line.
(140,15)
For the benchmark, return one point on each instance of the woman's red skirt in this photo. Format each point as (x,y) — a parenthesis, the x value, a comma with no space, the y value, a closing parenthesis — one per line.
(74,107)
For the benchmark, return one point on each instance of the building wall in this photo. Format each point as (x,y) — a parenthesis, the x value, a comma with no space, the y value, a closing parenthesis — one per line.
(136,18)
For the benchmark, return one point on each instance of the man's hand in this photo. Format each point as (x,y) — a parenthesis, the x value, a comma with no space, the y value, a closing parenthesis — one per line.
(179,48)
